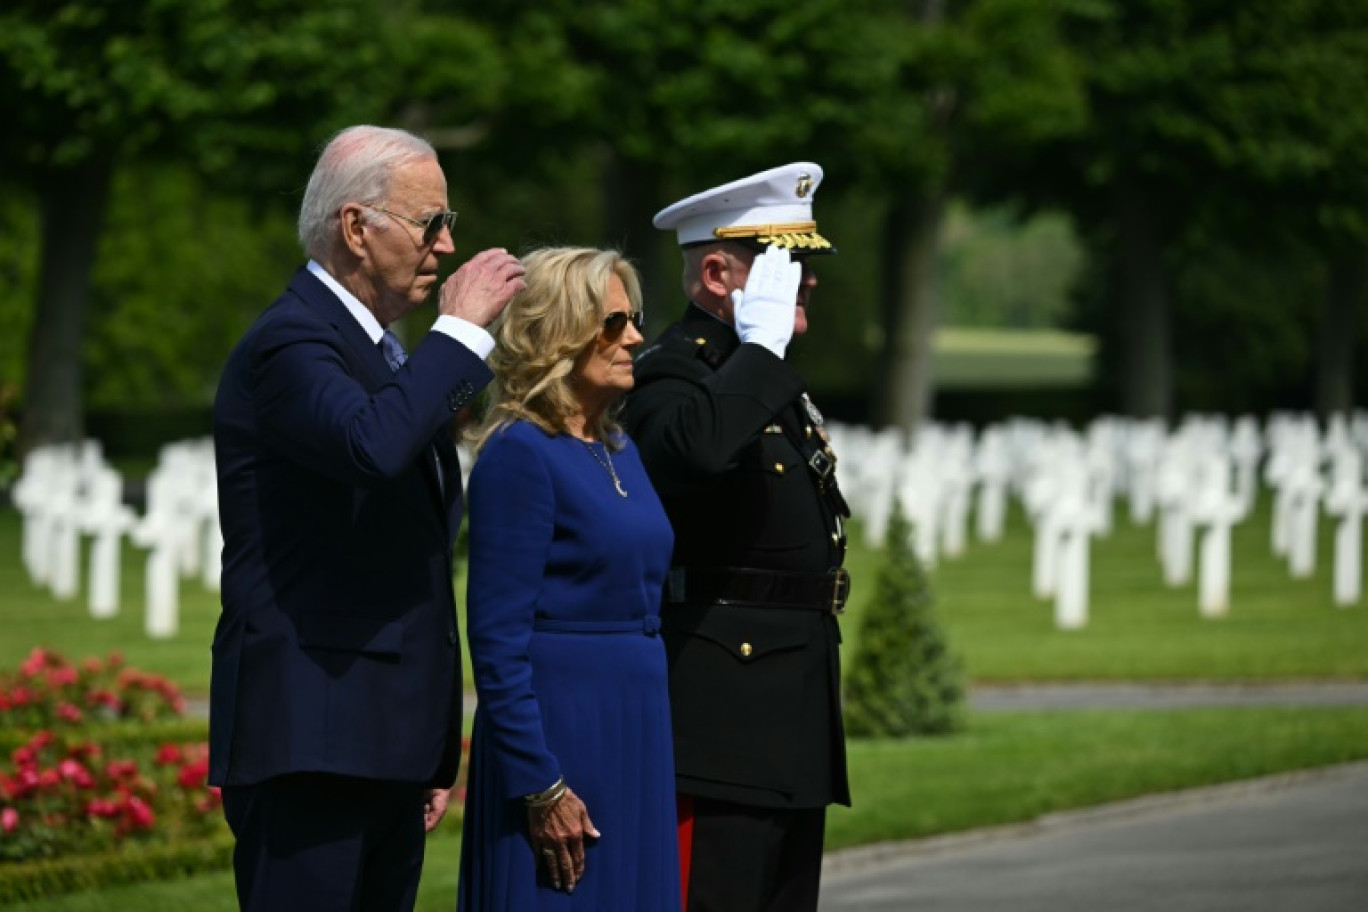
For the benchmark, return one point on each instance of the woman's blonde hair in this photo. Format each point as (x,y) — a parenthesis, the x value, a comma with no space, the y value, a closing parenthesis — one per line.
(542,334)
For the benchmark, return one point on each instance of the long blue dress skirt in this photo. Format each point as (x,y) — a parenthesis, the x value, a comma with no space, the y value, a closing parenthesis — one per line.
(563,625)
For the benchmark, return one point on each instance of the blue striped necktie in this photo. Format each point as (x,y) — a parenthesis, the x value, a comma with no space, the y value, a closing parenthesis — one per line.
(393,350)
(395,356)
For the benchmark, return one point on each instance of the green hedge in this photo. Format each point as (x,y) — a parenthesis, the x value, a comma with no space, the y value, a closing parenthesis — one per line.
(118,735)
(30,880)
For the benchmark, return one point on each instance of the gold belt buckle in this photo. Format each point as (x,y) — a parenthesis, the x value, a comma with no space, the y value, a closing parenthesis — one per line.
(840,589)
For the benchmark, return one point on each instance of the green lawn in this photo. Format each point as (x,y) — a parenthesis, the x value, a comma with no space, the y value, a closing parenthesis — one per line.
(1003,359)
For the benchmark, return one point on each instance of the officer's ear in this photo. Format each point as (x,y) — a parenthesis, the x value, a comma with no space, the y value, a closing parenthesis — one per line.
(716,273)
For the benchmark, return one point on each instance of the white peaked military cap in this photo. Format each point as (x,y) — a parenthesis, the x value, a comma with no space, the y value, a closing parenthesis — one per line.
(772,208)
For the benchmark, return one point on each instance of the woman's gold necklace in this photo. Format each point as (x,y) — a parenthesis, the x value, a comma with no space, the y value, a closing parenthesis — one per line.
(607,466)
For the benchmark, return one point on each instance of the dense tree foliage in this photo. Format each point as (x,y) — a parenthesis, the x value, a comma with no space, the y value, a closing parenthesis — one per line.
(234,89)
(1211,157)
(1210,126)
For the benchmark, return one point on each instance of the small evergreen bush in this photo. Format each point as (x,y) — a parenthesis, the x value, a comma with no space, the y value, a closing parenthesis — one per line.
(904,679)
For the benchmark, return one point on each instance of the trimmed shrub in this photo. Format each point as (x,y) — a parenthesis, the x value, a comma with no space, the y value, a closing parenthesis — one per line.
(904,679)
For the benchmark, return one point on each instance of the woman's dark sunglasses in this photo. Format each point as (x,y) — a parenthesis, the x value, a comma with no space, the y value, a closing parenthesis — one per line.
(616,322)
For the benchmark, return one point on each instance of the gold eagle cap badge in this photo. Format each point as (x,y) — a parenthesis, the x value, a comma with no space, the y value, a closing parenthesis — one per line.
(804,185)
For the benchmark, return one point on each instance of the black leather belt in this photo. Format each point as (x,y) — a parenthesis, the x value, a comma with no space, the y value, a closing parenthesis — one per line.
(766,588)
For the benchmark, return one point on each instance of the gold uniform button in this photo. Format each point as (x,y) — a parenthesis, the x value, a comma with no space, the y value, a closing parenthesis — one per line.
(807,431)
(779,468)
(700,341)
(746,649)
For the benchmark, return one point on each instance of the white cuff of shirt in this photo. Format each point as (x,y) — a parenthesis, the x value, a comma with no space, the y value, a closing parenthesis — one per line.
(467,333)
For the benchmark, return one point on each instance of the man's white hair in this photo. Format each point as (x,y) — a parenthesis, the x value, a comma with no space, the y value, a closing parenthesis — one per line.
(355,166)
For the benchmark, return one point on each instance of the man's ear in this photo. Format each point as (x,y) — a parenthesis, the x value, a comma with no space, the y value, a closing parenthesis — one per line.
(713,272)
(353,224)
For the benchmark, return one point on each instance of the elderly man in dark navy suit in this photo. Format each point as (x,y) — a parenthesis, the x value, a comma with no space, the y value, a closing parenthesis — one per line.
(335,714)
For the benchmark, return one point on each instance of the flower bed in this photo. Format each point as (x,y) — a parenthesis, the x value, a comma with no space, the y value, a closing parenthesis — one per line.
(47,691)
(99,774)
(102,782)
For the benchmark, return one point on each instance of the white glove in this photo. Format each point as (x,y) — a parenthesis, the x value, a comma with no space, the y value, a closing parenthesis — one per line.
(764,310)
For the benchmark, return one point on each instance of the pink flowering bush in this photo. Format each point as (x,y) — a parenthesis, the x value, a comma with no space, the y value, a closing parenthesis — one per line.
(49,692)
(79,781)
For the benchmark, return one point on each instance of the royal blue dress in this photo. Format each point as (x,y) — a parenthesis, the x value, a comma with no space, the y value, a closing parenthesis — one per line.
(563,624)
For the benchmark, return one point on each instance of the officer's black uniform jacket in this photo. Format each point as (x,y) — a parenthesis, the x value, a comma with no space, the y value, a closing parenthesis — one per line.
(755,691)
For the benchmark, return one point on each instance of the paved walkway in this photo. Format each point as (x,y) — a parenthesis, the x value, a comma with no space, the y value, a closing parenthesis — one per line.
(1297,842)
(1006,698)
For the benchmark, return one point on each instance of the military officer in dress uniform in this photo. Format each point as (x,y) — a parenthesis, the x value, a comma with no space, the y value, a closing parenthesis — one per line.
(736,449)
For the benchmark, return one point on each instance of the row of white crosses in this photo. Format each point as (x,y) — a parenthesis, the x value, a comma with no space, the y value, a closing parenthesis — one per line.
(933,480)
(67,491)
(1201,480)
(1307,471)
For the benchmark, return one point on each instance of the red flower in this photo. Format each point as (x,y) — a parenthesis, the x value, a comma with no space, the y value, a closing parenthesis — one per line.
(91,665)
(25,781)
(68,712)
(9,820)
(36,661)
(102,807)
(212,800)
(121,769)
(137,813)
(74,772)
(106,698)
(20,696)
(168,754)
(193,775)
(61,677)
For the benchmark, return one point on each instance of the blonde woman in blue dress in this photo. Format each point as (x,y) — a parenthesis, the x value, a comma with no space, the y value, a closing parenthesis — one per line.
(570,796)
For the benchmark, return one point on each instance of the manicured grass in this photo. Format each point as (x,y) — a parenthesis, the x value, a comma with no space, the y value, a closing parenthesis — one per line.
(30,616)
(998,359)
(1003,769)
(1015,767)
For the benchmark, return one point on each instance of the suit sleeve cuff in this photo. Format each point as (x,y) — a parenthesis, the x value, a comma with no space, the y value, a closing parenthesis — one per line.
(467,333)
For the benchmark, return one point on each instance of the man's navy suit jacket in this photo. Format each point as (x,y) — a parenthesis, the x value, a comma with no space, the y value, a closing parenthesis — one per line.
(337,649)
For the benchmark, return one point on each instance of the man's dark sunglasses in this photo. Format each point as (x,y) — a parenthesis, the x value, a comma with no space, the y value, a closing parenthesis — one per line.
(616,322)
(432,225)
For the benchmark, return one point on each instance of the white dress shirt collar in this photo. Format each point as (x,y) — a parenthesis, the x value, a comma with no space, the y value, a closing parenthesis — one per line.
(354,307)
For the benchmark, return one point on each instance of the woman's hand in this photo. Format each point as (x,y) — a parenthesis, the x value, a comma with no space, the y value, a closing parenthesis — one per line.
(558,832)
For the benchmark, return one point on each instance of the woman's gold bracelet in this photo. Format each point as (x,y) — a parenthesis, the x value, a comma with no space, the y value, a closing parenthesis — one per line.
(548,797)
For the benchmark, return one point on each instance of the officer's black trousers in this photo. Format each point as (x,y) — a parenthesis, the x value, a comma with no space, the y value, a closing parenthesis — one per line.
(749,859)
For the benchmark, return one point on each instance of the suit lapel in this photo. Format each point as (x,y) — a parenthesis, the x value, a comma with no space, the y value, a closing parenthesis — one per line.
(370,368)
(367,361)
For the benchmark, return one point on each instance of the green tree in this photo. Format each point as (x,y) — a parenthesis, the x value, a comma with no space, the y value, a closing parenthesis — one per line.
(667,96)
(236,89)
(939,91)
(904,679)
(1211,123)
